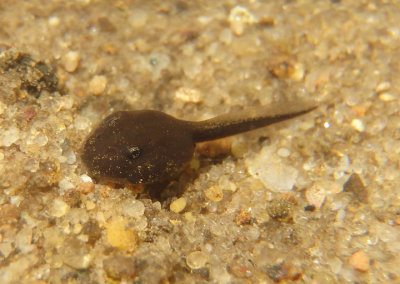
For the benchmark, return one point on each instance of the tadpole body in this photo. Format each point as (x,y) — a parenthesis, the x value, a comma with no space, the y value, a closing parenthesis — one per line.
(148,147)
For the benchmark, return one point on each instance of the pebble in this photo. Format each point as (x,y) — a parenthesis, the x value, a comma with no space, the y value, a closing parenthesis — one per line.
(296,72)
(316,195)
(85,187)
(219,274)
(191,218)
(10,136)
(178,205)
(6,249)
(54,21)
(119,237)
(214,193)
(140,224)
(98,85)
(279,209)
(241,267)
(90,205)
(188,95)
(65,184)
(243,218)
(387,97)
(358,125)
(9,214)
(23,240)
(193,68)
(76,253)
(58,208)
(133,208)
(71,157)
(196,259)
(273,173)
(226,184)
(359,261)
(284,272)
(383,86)
(283,152)
(356,186)
(119,267)
(138,18)
(250,233)
(239,17)
(82,123)
(92,230)
(72,197)
(86,178)
(41,139)
(71,61)
(16,269)
(226,36)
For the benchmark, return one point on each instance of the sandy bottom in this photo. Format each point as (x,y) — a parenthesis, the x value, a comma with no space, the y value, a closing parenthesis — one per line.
(312,200)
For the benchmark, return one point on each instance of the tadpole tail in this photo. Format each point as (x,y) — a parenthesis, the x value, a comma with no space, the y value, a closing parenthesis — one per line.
(242,121)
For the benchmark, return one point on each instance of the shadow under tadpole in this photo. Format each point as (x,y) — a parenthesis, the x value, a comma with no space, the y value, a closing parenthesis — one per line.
(167,190)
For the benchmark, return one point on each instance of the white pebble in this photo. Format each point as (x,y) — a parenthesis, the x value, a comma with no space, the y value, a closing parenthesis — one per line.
(316,195)
(133,208)
(86,178)
(10,136)
(98,85)
(358,125)
(239,17)
(65,184)
(188,95)
(71,61)
(383,86)
(283,152)
(204,20)
(54,21)
(59,208)
(272,171)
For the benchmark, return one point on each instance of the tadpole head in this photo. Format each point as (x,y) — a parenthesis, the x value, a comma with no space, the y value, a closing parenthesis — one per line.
(138,147)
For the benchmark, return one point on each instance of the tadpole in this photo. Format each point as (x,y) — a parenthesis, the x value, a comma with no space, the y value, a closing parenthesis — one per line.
(148,146)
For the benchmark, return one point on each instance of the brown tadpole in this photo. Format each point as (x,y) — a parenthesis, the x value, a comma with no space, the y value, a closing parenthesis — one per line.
(151,147)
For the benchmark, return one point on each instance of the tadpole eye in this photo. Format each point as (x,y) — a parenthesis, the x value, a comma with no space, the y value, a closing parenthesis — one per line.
(134,152)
